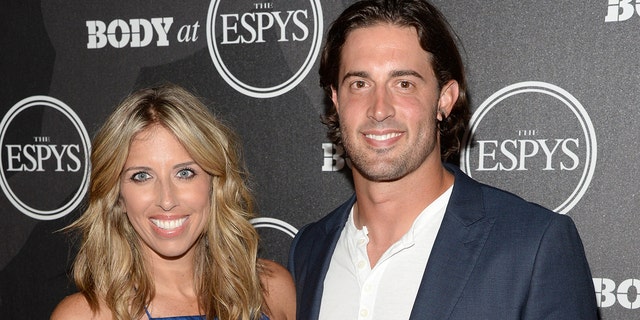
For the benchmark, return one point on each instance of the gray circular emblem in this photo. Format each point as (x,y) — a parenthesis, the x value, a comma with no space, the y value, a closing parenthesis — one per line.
(263,50)
(44,167)
(534,139)
(273,223)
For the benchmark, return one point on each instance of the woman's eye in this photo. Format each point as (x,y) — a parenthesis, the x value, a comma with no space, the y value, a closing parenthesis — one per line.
(140,176)
(186,174)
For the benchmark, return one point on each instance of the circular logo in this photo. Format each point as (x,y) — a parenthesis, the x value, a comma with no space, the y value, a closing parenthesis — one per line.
(264,50)
(273,223)
(44,151)
(534,139)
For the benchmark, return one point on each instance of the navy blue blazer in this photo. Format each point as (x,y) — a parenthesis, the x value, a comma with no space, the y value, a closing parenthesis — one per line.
(496,256)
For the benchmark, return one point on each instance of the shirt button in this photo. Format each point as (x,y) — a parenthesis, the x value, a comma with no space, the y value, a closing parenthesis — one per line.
(361,264)
(364,312)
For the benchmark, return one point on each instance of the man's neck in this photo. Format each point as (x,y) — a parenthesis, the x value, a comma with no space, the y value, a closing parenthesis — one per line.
(388,209)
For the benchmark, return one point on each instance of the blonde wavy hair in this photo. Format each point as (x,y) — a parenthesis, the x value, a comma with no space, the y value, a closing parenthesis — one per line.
(110,265)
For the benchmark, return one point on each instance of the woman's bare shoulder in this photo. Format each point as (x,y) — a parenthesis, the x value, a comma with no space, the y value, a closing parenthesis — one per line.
(76,307)
(280,292)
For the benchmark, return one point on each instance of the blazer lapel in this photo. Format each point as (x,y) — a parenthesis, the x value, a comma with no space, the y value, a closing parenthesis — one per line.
(457,247)
(319,260)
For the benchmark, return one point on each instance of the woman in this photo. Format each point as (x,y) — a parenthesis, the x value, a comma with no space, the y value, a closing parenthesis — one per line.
(167,232)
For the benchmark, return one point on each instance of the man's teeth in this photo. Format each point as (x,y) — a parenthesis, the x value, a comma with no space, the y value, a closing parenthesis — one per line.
(382,137)
(168,224)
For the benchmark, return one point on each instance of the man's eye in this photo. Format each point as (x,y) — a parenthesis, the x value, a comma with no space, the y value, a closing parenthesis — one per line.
(405,84)
(359,84)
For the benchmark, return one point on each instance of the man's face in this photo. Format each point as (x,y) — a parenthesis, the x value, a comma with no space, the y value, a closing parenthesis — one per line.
(388,100)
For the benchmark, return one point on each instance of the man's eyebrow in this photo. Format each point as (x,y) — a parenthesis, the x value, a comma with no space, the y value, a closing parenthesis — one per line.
(358,74)
(402,73)
(394,74)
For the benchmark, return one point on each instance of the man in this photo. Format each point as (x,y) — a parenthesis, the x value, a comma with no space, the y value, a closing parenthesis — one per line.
(419,239)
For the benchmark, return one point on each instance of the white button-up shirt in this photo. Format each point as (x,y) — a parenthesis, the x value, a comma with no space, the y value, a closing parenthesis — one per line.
(354,290)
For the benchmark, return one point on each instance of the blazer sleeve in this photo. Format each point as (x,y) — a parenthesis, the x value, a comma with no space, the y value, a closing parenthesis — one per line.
(561,283)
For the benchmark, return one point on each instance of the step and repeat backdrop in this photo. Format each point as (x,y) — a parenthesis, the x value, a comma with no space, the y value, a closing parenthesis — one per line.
(554,88)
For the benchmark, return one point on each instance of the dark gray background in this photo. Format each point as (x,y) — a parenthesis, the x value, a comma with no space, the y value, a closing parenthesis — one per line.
(567,44)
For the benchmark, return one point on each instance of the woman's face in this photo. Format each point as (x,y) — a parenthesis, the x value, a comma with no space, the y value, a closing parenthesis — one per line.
(165,193)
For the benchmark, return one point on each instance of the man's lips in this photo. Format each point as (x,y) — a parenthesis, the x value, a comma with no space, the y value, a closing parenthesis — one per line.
(382,137)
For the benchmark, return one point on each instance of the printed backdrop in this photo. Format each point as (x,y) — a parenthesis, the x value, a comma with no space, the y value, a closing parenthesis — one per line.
(553,86)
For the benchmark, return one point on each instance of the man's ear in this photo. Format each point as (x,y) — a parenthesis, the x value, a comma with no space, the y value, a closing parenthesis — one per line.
(334,97)
(448,98)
